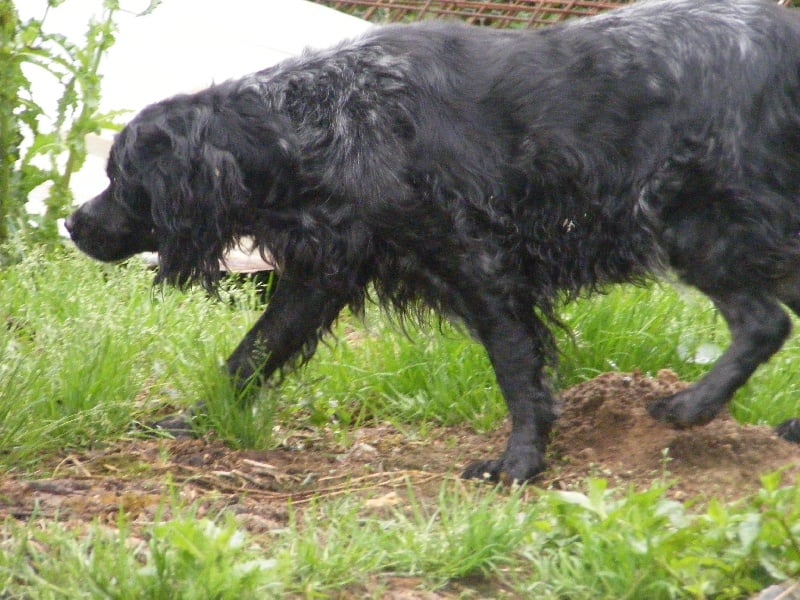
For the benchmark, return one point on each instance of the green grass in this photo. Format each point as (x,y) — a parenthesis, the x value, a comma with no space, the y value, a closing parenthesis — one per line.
(88,352)
(84,348)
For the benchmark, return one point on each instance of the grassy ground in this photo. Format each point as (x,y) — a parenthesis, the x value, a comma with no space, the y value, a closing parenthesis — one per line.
(90,352)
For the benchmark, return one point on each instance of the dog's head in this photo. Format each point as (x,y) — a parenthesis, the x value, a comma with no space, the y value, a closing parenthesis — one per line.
(186,178)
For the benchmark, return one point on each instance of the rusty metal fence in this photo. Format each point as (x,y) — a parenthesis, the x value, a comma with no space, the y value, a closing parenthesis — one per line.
(515,13)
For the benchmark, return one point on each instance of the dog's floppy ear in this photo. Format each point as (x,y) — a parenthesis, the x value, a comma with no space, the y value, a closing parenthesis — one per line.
(264,144)
(209,163)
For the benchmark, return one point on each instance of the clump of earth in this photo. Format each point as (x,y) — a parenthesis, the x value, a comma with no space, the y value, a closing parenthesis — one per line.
(606,424)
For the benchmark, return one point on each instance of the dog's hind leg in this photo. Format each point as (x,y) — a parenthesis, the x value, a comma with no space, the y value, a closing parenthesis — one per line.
(733,244)
(758,326)
(787,290)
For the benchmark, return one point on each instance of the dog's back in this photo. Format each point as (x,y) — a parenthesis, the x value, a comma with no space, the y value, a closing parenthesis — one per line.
(602,119)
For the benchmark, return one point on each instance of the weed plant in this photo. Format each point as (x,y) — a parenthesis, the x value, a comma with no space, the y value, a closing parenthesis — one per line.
(595,544)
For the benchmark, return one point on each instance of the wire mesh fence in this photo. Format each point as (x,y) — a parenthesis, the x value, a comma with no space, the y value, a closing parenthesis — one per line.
(515,13)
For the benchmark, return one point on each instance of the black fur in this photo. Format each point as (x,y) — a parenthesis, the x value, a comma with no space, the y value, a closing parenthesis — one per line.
(489,175)
(789,431)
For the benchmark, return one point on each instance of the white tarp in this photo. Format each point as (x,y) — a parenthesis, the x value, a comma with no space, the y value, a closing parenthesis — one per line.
(186,45)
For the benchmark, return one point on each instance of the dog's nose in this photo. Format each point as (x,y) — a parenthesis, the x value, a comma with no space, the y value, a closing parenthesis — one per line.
(69,222)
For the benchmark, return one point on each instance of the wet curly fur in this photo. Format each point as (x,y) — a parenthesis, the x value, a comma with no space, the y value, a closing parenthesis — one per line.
(488,175)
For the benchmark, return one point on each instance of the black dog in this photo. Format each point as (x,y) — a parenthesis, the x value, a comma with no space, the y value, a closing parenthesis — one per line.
(489,175)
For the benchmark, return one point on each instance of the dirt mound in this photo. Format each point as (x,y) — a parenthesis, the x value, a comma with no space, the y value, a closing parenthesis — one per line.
(605,428)
(604,431)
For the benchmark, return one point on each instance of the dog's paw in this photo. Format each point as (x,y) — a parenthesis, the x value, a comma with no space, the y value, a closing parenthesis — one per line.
(789,431)
(683,410)
(513,468)
(178,426)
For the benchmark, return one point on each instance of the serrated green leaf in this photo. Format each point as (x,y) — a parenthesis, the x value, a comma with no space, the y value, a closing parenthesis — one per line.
(749,530)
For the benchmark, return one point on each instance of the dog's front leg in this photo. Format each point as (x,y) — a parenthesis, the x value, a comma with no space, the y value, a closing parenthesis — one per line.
(289,329)
(516,352)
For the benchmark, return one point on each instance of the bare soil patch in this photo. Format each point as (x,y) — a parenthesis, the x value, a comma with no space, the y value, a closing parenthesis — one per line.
(604,431)
(605,424)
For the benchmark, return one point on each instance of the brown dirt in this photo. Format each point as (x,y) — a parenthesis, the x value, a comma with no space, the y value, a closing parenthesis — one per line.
(604,431)
(605,423)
